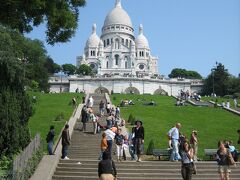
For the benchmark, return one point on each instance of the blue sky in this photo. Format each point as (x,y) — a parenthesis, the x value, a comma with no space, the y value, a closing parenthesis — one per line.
(190,34)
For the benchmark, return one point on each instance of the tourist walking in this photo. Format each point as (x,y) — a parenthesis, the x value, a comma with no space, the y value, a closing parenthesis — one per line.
(187,164)
(101,108)
(50,140)
(119,138)
(138,140)
(104,145)
(93,118)
(65,141)
(108,108)
(84,118)
(90,102)
(117,113)
(222,158)
(106,167)
(174,136)
(110,135)
(110,121)
(235,102)
(194,144)
(228,104)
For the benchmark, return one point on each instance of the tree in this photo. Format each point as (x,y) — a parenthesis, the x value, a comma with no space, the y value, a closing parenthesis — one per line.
(15,106)
(183,73)
(217,81)
(32,57)
(234,86)
(84,70)
(61,17)
(69,69)
(51,66)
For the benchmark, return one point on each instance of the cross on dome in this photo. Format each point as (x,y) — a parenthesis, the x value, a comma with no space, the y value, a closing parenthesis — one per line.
(140,29)
(94,28)
(118,3)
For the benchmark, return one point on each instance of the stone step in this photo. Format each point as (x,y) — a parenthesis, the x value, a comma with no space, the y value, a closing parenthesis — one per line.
(142,174)
(135,165)
(164,169)
(55,177)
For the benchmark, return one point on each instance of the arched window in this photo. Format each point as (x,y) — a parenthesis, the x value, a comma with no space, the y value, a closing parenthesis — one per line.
(126,64)
(107,42)
(116,59)
(127,42)
(104,42)
(117,44)
(107,64)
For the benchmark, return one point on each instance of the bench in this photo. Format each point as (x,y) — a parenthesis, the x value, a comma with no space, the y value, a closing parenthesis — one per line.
(211,153)
(161,152)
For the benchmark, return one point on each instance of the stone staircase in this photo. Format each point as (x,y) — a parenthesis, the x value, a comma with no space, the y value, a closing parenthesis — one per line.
(85,148)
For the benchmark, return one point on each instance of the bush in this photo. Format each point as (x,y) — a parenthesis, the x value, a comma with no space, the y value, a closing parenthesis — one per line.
(60,117)
(216,103)
(133,121)
(150,148)
(130,117)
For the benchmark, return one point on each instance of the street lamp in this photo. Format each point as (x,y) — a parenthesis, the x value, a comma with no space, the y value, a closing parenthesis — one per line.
(213,83)
(61,71)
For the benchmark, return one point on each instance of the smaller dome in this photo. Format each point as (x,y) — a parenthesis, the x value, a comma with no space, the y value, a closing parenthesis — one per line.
(93,40)
(141,41)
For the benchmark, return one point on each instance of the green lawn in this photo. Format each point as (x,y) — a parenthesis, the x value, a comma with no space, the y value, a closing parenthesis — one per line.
(212,124)
(47,107)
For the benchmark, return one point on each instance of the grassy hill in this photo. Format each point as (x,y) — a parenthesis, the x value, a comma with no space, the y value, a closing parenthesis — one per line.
(47,108)
(212,124)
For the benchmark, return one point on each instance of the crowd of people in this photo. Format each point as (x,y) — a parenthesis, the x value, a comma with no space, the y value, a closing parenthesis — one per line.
(114,134)
(186,151)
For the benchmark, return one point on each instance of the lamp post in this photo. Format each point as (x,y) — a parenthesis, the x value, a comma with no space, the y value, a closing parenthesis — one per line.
(213,82)
(61,70)
(213,90)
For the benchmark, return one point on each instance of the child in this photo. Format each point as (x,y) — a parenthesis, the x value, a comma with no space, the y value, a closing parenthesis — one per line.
(104,145)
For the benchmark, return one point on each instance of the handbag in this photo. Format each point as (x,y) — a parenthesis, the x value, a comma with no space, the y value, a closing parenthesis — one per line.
(231,161)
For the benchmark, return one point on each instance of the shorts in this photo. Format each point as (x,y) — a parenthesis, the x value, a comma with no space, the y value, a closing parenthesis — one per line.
(224,169)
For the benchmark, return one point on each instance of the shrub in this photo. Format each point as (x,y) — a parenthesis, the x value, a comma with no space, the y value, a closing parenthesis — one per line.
(150,148)
(60,117)
(130,117)
(133,121)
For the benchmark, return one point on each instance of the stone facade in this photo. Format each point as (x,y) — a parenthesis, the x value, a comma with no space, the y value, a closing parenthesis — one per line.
(118,84)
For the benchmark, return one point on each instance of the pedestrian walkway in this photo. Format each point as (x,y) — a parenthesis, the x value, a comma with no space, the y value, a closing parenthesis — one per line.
(85,149)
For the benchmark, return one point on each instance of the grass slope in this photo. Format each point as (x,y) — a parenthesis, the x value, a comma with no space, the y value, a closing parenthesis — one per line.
(48,106)
(212,124)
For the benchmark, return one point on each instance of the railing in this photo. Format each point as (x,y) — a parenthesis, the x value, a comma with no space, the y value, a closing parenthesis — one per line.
(21,161)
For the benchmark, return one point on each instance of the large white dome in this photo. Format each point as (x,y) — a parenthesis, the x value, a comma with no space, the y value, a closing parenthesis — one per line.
(118,16)
(141,41)
(93,40)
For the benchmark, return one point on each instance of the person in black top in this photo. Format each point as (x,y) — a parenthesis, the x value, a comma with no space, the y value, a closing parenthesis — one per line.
(84,117)
(138,139)
(50,140)
(65,141)
(106,167)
